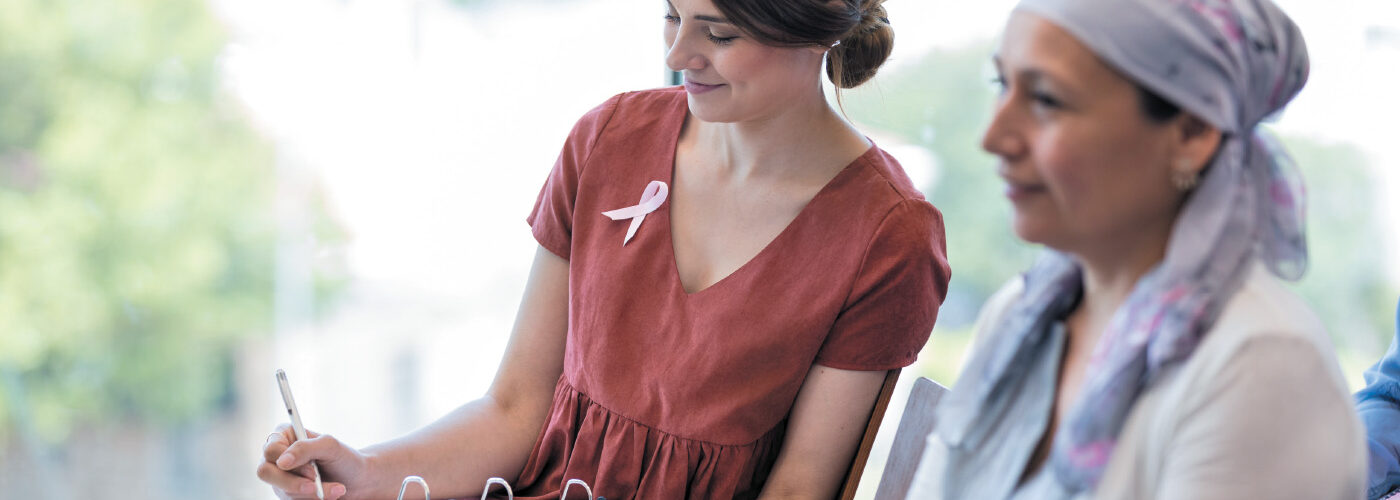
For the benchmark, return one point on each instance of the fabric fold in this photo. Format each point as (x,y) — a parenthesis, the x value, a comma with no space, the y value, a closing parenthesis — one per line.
(612,453)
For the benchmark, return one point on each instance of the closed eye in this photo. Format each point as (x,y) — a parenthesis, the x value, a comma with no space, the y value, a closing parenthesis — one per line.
(1047,100)
(719,40)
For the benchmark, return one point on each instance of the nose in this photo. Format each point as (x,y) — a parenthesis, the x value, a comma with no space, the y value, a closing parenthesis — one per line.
(681,53)
(1001,137)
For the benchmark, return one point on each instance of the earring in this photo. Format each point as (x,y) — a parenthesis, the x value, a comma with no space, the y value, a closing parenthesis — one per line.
(1183,177)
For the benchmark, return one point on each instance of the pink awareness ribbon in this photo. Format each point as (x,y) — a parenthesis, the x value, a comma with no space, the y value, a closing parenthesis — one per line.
(652,198)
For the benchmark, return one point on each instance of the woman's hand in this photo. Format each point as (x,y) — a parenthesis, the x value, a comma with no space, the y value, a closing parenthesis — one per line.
(288,468)
(498,430)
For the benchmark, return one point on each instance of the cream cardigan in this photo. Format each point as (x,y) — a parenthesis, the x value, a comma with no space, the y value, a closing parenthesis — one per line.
(1260,410)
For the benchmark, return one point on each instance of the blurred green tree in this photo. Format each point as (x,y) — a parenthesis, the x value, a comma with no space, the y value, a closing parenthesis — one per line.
(136,233)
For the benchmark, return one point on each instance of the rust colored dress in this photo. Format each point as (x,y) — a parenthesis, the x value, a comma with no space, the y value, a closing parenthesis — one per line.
(674,395)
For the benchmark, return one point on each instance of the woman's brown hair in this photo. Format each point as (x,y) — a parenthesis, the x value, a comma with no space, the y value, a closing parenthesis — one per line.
(858,31)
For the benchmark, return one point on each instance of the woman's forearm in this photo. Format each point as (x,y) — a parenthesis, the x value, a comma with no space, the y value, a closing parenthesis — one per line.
(458,452)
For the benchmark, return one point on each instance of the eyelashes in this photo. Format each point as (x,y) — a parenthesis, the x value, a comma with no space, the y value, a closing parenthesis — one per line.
(719,40)
(1046,100)
(709,35)
(1039,98)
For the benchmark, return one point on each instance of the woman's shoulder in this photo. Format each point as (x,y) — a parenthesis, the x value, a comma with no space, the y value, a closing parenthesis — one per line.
(644,100)
(1264,316)
(887,183)
(627,127)
(996,306)
(1264,310)
(1265,334)
(875,191)
(1000,302)
(645,105)
(663,95)
(1261,393)
(633,110)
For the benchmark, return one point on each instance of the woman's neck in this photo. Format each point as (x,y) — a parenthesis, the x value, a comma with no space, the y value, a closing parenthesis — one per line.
(780,144)
(1111,271)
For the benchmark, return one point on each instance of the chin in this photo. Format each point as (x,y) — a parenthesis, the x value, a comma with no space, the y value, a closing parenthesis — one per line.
(1030,231)
(708,112)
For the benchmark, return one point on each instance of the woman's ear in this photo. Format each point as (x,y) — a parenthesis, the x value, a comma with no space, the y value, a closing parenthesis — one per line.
(1197,141)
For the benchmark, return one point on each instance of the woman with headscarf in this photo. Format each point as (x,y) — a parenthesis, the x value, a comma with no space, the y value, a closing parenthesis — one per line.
(1150,352)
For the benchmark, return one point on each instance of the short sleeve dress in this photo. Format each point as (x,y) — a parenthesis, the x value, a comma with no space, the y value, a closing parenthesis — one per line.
(673,395)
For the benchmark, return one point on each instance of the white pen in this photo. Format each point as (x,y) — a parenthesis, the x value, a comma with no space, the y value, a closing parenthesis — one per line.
(296,425)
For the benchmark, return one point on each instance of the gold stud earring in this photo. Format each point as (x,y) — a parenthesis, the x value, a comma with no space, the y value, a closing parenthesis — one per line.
(1183,177)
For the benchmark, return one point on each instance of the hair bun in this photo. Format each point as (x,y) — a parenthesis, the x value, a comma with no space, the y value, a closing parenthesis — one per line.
(858,56)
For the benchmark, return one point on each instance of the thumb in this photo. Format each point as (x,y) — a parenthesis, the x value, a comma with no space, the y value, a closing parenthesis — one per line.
(320,448)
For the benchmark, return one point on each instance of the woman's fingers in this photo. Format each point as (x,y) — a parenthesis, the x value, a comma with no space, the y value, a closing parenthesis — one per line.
(273,448)
(333,491)
(303,452)
(290,474)
(289,483)
(286,464)
(277,442)
(295,486)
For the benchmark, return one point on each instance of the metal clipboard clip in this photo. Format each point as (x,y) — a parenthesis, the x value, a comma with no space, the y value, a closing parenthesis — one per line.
(510,495)
(564,495)
(414,479)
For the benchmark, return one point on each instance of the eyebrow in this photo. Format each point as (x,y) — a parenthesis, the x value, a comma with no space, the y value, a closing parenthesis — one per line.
(1032,75)
(699,17)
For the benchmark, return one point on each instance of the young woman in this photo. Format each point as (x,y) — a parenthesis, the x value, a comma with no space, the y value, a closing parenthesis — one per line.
(726,336)
(1150,353)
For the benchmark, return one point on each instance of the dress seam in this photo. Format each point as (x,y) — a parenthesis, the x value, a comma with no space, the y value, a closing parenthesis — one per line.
(865,254)
(595,402)
(884,176)
(602,128)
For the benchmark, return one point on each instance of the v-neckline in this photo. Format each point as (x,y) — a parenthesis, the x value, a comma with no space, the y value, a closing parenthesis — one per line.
(678,284)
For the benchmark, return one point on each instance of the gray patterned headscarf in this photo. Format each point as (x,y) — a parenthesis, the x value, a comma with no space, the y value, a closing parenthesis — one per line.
(1230,63)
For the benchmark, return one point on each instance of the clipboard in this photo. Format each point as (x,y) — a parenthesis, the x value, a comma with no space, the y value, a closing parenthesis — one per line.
(510,495)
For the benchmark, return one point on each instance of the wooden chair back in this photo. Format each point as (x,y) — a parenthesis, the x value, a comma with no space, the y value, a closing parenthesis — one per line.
(877,414)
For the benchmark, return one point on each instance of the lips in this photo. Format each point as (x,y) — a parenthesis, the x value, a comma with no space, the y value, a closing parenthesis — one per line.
(1018,190)
(1018,193)
(694,87)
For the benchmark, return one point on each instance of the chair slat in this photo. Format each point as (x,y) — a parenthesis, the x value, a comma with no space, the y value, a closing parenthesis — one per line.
(914,427)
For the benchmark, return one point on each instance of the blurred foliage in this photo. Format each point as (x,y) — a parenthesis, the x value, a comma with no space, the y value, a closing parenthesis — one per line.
(136,233)
(943,101)
(1346,282)
(942,358)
